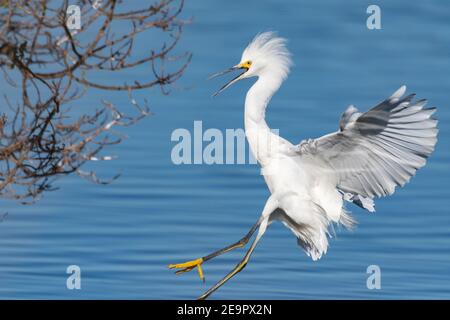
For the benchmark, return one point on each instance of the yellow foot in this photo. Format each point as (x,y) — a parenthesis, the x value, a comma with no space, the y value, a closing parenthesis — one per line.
(188,266)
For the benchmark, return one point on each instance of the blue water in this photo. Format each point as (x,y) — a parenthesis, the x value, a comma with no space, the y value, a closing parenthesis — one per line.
(123,235)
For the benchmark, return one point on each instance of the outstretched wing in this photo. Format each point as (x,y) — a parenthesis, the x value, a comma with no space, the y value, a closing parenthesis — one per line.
(375,151)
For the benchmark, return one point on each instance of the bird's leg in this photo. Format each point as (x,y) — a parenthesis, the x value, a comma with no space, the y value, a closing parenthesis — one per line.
(188,266)
(241,265)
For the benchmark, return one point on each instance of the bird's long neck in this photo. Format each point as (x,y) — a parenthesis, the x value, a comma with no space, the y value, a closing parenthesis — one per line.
(258,133)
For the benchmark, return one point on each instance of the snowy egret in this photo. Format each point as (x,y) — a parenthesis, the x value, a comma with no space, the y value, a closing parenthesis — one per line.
(368,156)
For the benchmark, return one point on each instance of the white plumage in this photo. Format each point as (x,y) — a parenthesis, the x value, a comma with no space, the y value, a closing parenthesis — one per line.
(368,156)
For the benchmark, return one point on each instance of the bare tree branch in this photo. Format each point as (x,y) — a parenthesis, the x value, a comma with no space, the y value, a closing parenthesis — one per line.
(50,65)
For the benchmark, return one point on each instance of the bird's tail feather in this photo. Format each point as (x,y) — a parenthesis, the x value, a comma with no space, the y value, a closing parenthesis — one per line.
(347,220)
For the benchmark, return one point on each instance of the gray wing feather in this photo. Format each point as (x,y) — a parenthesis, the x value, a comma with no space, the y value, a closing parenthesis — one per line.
(380,149)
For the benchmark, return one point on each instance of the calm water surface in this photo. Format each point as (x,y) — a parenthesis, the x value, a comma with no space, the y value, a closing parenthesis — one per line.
(123,235)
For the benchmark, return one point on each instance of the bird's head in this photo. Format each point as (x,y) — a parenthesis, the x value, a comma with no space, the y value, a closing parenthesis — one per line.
(265,54)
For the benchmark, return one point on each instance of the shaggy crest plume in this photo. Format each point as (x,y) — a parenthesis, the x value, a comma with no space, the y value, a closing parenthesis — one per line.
(267,47)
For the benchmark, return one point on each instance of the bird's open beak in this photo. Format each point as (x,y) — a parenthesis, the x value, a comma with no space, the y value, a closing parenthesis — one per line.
(234,80)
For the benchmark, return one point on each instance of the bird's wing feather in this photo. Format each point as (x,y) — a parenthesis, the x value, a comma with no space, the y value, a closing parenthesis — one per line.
(378,150)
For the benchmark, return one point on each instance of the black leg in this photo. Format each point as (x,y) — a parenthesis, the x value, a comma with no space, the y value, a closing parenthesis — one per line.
(188,266)
(240,266)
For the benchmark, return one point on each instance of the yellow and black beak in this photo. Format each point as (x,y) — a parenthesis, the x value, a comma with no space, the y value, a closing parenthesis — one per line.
(242,66)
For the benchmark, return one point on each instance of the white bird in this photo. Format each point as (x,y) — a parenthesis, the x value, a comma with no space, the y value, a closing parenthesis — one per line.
(368,156)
